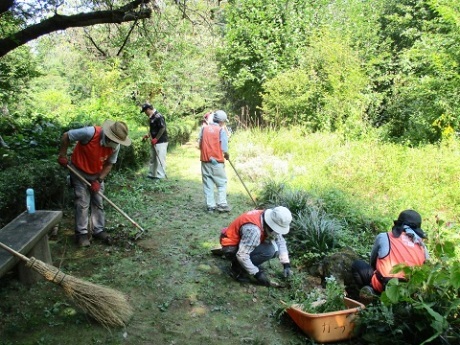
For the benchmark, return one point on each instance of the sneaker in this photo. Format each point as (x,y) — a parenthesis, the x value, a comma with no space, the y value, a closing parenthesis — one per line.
(82,240)
(152,177)
(103,236)
(223,208)
(367,294)
(211,209)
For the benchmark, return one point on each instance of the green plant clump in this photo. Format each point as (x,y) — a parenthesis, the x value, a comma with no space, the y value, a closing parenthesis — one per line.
(321,300)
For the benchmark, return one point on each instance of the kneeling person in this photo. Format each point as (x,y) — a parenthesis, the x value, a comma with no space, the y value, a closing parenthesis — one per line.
(402,245)
(254,238)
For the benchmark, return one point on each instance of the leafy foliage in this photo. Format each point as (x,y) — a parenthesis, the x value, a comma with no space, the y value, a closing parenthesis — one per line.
(315,231)
(320,300)
(261,39)
(326,92)
(16,71)
(312,229)
(424,309)
(45,177)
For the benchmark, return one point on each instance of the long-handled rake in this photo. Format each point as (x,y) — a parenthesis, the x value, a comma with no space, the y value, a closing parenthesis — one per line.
(107,306)
(110,202)
(247,190)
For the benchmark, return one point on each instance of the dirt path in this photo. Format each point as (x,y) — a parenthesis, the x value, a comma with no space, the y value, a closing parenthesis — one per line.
(193,300)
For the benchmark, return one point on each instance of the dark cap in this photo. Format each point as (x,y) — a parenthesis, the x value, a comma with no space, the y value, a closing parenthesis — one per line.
(146,106)
(413,220)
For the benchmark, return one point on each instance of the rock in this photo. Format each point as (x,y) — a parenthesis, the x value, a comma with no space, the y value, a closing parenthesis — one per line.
(339,266)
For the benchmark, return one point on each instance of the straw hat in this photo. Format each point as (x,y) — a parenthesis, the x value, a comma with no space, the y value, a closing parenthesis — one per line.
(117,132)
(278,219)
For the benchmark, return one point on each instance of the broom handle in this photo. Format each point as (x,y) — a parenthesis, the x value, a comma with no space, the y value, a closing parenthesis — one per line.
(105,198)
(15,253)
(236,172)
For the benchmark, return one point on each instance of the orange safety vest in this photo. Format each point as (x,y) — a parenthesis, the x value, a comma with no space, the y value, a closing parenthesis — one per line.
(402,250)
(231,237)
(90,157)
(210,144)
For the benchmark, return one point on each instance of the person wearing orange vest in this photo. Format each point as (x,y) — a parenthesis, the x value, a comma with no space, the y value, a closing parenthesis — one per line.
(403,244)
(213,144)
(254,238)
(93,157)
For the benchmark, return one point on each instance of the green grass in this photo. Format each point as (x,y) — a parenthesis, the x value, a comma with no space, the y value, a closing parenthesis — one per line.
(180,292)
(377,180)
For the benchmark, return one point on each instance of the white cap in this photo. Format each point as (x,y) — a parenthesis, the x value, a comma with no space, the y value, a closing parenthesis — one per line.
(278,219)
(220,116)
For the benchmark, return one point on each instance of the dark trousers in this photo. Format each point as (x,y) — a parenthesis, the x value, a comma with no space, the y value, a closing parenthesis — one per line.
(362,273)
(262,253)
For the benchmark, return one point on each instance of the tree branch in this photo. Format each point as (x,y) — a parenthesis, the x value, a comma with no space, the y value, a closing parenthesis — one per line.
(60,22)
(103,53)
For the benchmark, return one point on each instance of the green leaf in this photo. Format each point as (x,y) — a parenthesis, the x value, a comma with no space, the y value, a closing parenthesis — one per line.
(455,275)
(392,291)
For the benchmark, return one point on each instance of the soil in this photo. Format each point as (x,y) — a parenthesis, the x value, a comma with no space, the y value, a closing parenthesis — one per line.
(181,293)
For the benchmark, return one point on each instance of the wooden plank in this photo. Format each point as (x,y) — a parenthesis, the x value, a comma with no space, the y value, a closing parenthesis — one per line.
(23,233)
(40,251)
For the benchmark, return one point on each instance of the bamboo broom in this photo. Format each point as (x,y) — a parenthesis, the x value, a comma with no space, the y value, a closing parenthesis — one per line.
(107,306)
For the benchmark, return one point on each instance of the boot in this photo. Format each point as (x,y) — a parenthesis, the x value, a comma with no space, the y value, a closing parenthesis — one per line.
(238,273)
(82,240)
(104,237)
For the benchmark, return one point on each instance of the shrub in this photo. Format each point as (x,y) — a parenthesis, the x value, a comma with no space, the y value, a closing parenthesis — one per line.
(315,231)
(425,309)
(44,176)
(272,193)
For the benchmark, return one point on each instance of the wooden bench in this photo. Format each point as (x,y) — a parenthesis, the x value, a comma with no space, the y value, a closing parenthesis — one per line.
(28,235)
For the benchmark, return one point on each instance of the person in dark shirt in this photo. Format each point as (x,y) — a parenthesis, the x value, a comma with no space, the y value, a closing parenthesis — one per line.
(158,135)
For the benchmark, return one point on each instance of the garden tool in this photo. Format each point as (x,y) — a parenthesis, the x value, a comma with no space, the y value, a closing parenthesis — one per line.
(107,306)
(110,202)
(236,172)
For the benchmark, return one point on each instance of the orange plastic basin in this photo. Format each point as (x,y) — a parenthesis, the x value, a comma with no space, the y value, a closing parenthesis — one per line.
(327,327)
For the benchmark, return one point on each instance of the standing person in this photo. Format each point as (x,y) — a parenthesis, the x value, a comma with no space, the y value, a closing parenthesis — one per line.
(159,141)
(207,118)
(254,238)
(213,144)
(403,244)
(93,157)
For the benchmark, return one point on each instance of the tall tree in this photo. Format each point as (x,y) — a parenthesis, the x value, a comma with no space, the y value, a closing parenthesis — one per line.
(261,39)
(167,60)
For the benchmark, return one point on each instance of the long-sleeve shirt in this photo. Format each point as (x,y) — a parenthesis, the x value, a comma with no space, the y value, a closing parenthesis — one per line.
(250,239)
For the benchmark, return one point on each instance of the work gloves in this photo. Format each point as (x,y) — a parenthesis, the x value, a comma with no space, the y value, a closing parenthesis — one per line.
(287,270)
(262,278)
(63,161)
(154,141)
(95,186)
(226,156)
(145,137)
